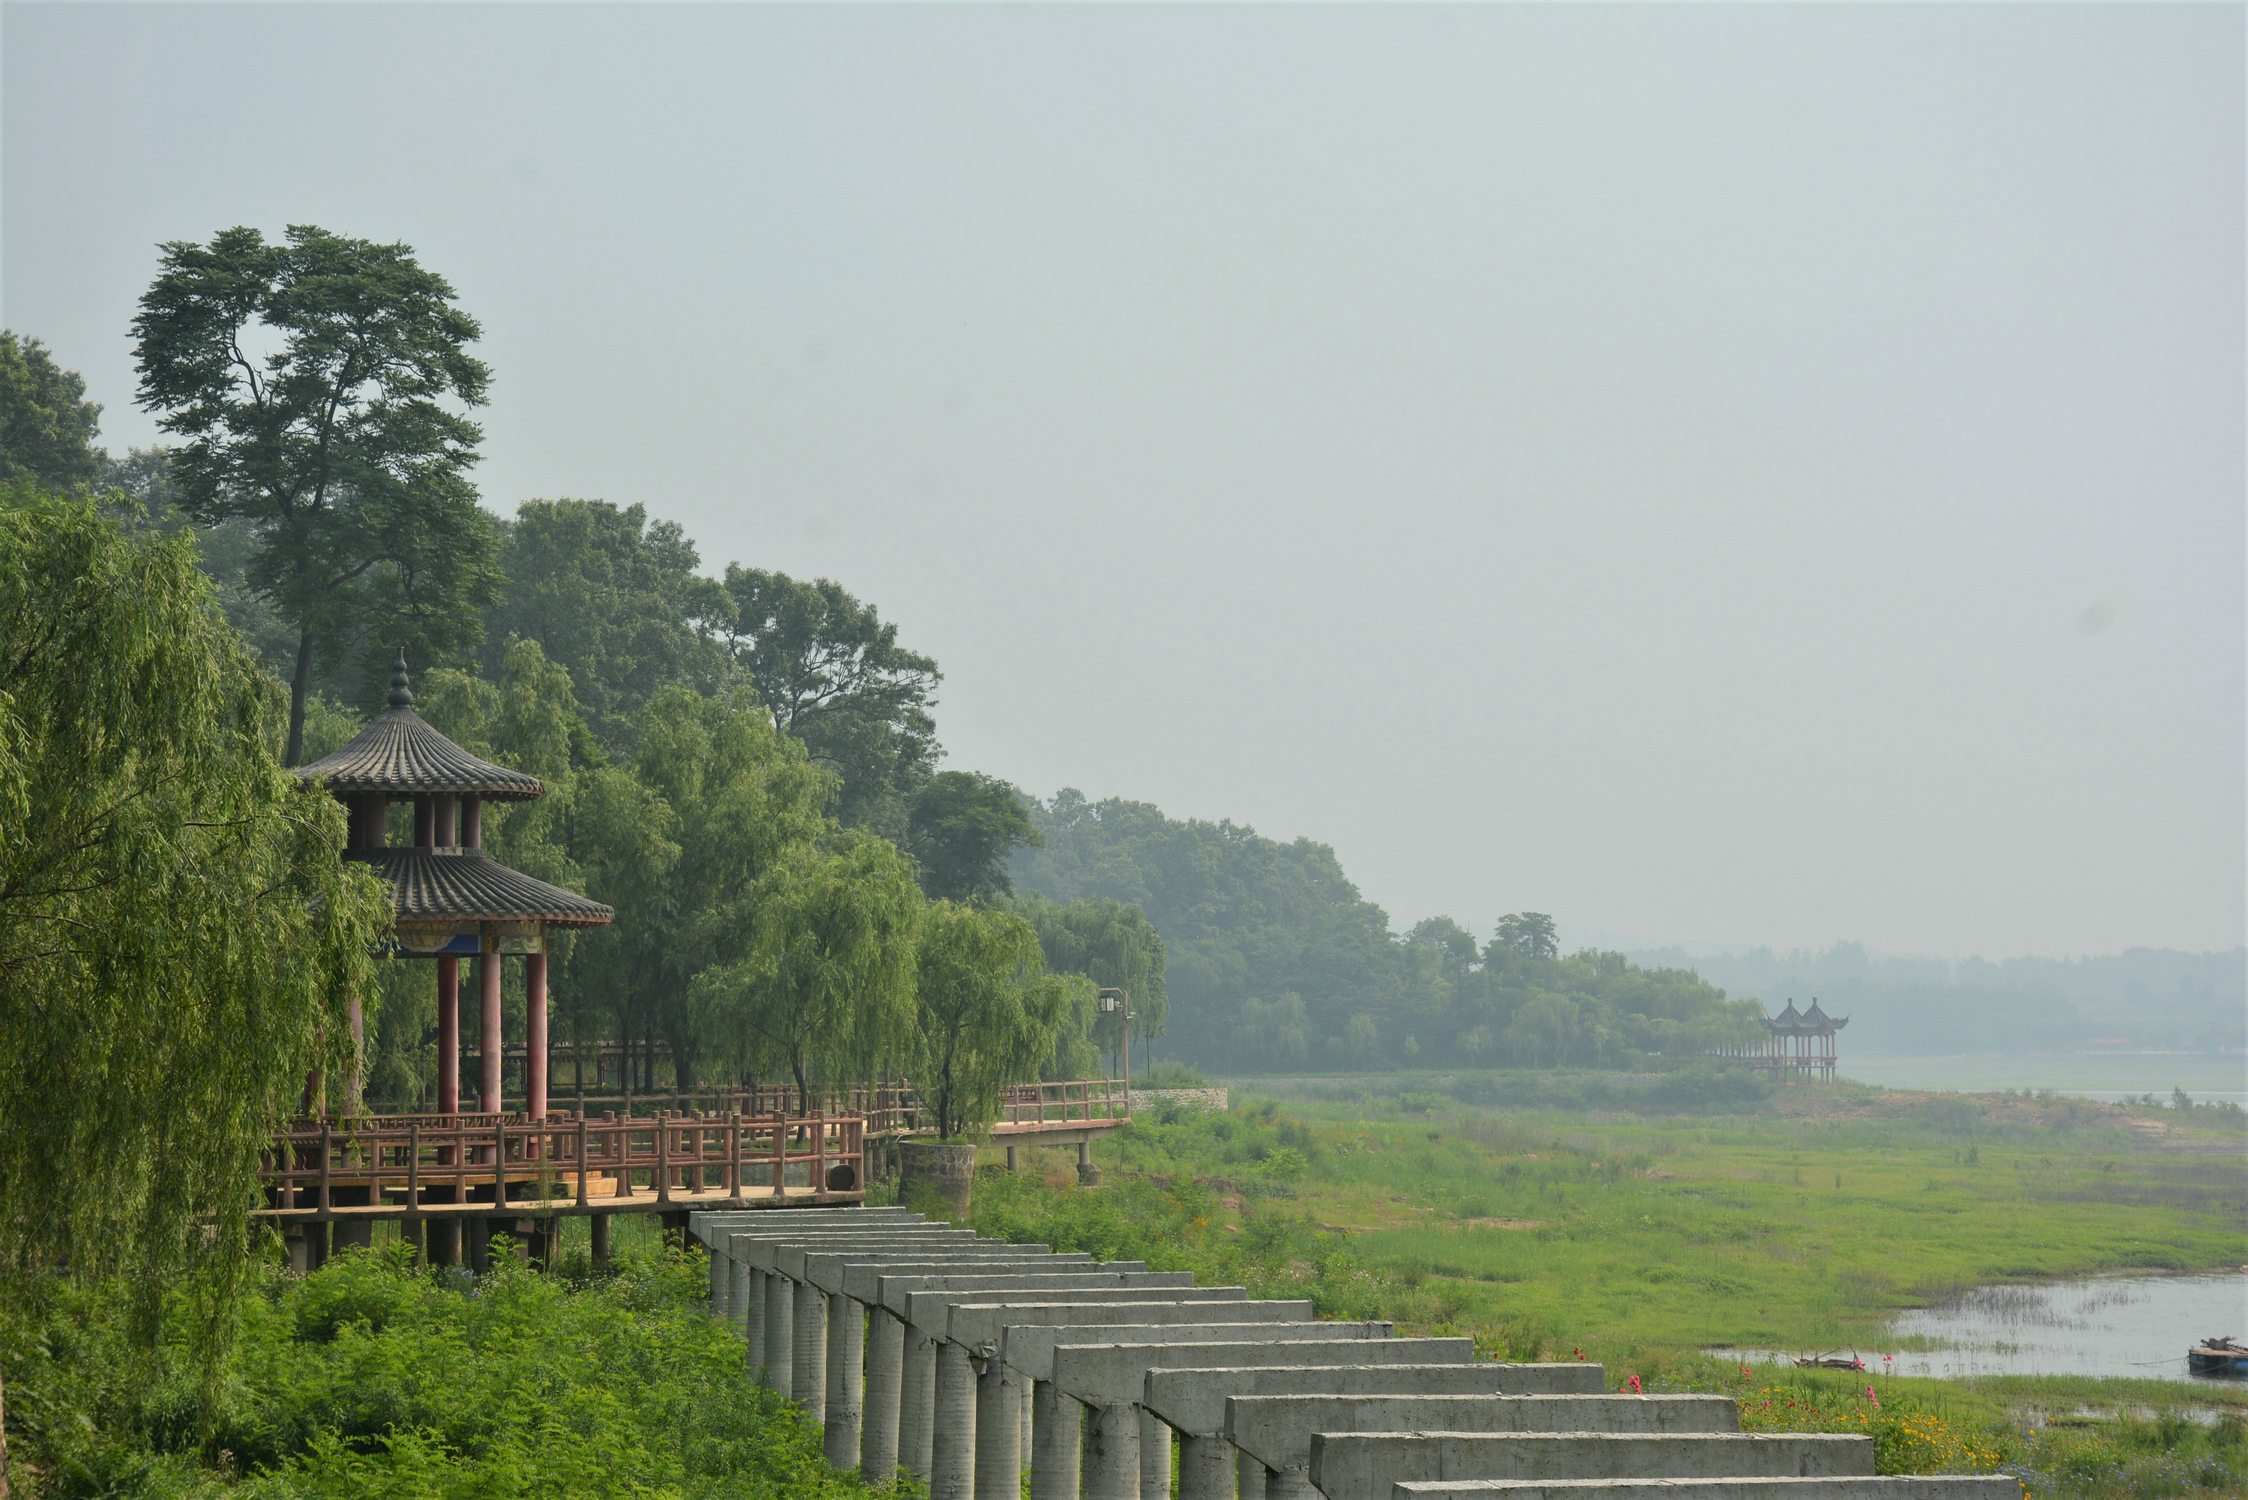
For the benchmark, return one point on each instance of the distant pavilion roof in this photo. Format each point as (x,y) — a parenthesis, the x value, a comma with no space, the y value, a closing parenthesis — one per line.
(399,755)
(468,885)
(1812,1022)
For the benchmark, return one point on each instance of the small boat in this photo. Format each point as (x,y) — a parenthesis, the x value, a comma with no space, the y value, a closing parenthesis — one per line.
(1831,1361)
(2218,1357)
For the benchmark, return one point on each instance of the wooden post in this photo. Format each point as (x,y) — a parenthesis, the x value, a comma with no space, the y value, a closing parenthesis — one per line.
(663,1157)
(819,1153)
(325,1138)
(780,1157)
(499,1162)
(534,1035)
(472,822)
(448,1034)
(491,1046)
(413,1182)
(734,1154)
(581,1159)
(446,808)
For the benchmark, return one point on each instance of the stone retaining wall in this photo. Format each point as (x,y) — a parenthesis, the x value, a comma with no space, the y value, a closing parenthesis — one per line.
(1212,1099)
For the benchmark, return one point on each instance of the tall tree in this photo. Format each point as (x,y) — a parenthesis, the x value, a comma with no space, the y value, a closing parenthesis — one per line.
(616,600)
(338,446)
(962,826)
(1529,933)
(835,677)
(824,986)
(179,937)
(47,425)
(989,1011)
(1115,946)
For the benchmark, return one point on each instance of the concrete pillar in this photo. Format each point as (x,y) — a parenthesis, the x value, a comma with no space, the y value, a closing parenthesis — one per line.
(1155,1457)
(753,1315)
(1248,1477)
(448,1035)
(885,1373)
(1205,1467)
(721,1269)
(737,1289)
(1057,1442)
(1014,1159)
(807,1382)
(1288,1484)
(1112,1454)
(600,1233)
(999,1432)
(917,1403)
(952,1432)
(780,1320)
(846,1380)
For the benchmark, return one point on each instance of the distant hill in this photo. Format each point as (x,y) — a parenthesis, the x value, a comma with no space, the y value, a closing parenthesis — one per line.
(2146,998)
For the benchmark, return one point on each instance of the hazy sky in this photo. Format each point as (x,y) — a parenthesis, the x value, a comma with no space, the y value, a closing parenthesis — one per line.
(1760,474)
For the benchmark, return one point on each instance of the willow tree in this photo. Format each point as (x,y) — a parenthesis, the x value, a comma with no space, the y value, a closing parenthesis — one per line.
(1112,944)
(179,939)
(988,1011)
(824,985)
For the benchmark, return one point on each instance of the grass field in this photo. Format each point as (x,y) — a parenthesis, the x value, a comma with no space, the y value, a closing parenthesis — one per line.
(1803,1220)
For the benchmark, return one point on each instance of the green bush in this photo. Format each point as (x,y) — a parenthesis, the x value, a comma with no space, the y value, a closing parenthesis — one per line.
(373,1377)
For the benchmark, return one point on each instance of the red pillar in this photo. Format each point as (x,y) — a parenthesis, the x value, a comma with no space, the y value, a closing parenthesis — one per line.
(491,1045)
(534,1034)
(448,1035)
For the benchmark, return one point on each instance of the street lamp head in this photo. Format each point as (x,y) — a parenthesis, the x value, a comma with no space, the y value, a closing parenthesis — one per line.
(1111,1001)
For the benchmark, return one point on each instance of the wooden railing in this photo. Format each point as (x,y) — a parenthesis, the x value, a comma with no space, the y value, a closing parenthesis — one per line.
(887,1108)
(1030,1106)
(679,1156)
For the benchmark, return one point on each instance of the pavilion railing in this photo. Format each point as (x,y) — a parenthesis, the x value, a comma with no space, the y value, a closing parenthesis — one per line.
(674,1155)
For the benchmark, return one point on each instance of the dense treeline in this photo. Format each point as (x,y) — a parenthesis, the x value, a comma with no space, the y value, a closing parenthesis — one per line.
(1277,963)
(2144,998)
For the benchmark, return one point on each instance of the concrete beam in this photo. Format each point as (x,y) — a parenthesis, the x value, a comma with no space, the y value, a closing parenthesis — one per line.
(826,1269)
(1364,1465)
(980,1323)
(898,1292)
(1191,1394)
(1276,1429)
(1887,1487)
(862,1278)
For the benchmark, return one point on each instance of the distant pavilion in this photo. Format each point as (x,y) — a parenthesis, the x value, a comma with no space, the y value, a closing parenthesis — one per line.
(452,901)
(1798,1044)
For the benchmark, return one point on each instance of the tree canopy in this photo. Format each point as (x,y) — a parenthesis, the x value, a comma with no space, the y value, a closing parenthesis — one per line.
(832,673)
(338,447)
(989,1011)
(47,425)
(179,939)
(962,826)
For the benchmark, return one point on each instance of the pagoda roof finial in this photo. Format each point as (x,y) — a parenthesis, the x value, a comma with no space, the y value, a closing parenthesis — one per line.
(401,691)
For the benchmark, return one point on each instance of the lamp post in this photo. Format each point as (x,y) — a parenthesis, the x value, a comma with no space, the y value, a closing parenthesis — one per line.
(1116,1002)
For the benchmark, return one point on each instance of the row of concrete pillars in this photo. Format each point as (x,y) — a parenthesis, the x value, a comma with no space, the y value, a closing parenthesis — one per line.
(969,1364)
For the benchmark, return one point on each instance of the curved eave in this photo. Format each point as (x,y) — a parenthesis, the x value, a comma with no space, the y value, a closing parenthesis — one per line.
(467,885)
(400,755)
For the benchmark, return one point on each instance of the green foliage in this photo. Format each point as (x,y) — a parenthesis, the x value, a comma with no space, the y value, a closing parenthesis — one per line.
(47,425)
(178,937)
(337,447)
(612,598)
(1279,965)
(988,1012)
(370,1378)
(835,677)
(824,987)
(962,826)
(1116,947)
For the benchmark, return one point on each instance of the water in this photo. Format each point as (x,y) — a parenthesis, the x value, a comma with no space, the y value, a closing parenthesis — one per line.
(2136,1326)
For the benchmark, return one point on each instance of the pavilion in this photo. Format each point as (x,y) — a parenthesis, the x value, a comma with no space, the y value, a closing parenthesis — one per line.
(452,900)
